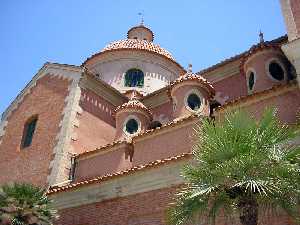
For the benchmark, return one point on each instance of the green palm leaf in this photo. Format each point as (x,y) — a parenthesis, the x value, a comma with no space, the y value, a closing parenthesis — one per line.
(241,167)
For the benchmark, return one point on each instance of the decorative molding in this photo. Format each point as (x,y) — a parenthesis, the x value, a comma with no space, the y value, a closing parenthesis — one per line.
(61,159)
(155,178)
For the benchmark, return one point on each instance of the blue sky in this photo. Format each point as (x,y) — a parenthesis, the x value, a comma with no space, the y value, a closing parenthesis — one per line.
(68,31)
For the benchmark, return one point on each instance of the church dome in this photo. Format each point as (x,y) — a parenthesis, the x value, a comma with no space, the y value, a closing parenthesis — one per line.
(138,44)
(134,104)
(190,76)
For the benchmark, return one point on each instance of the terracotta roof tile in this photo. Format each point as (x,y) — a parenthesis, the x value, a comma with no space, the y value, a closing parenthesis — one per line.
(138,44)
(189,76)
(134,104)
(100,179)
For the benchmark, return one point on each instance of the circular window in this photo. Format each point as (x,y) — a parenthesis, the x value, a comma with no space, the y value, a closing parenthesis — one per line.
(276,71)
(251,80)
(131,126)
(194,102)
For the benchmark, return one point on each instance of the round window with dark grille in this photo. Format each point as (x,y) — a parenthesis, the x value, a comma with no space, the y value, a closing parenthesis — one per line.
(276,71)
(194,102)
(131,126)
(251,81)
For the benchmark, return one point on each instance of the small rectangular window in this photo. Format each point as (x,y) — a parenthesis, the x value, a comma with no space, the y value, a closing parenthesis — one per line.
(28,132)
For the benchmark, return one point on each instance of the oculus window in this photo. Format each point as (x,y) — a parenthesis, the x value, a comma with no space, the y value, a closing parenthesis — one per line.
(131,126)
(134,78)
(28,132)
(193,102)
(276,71)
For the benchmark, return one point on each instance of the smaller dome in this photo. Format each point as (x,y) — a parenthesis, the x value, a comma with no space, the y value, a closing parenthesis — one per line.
(140,32)
(134,104)
(190,76)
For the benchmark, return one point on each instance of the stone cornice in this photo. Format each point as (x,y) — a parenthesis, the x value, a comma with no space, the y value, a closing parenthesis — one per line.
(152,176)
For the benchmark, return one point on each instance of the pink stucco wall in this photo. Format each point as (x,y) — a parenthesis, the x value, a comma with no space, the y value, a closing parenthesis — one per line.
(103,163)
(163,145)
(287,104)
(154,147)
(163,113)
(96,123)
(230,88)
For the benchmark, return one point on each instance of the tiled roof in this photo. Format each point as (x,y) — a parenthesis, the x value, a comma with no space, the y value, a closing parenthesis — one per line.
(100,179)
(189,76)
(255,49)
(138,44)
(133,104)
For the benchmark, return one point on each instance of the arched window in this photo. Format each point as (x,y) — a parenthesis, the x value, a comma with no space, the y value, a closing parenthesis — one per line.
(28,131)
(134,78)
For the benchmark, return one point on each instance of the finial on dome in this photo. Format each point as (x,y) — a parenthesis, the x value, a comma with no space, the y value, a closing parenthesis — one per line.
(190,68)
(261,37)
(142,18)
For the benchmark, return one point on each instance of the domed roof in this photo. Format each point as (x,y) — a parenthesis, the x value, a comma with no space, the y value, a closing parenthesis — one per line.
(190,76)
(138,44)
(134,103)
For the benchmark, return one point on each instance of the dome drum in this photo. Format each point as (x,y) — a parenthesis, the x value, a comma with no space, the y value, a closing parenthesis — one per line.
(264,67)
(131,118)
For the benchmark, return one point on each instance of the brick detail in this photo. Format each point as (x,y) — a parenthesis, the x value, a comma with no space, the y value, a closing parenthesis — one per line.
(46,99)
(146,208)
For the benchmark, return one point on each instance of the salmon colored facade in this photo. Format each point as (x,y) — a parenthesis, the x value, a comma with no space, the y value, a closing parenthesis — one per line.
(109,137)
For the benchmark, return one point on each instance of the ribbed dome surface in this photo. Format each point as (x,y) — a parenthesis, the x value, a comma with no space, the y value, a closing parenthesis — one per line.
(138,44)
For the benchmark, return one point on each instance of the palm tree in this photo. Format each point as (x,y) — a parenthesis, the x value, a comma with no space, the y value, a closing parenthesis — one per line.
(22,204)
(242,167)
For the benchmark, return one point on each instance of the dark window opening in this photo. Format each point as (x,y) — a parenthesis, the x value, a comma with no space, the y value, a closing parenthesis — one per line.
(72,169)
(134,78)
(131,126)
(28,132)
(251,80)
(276,71)
(213,106)
(154,125)
(194,102)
